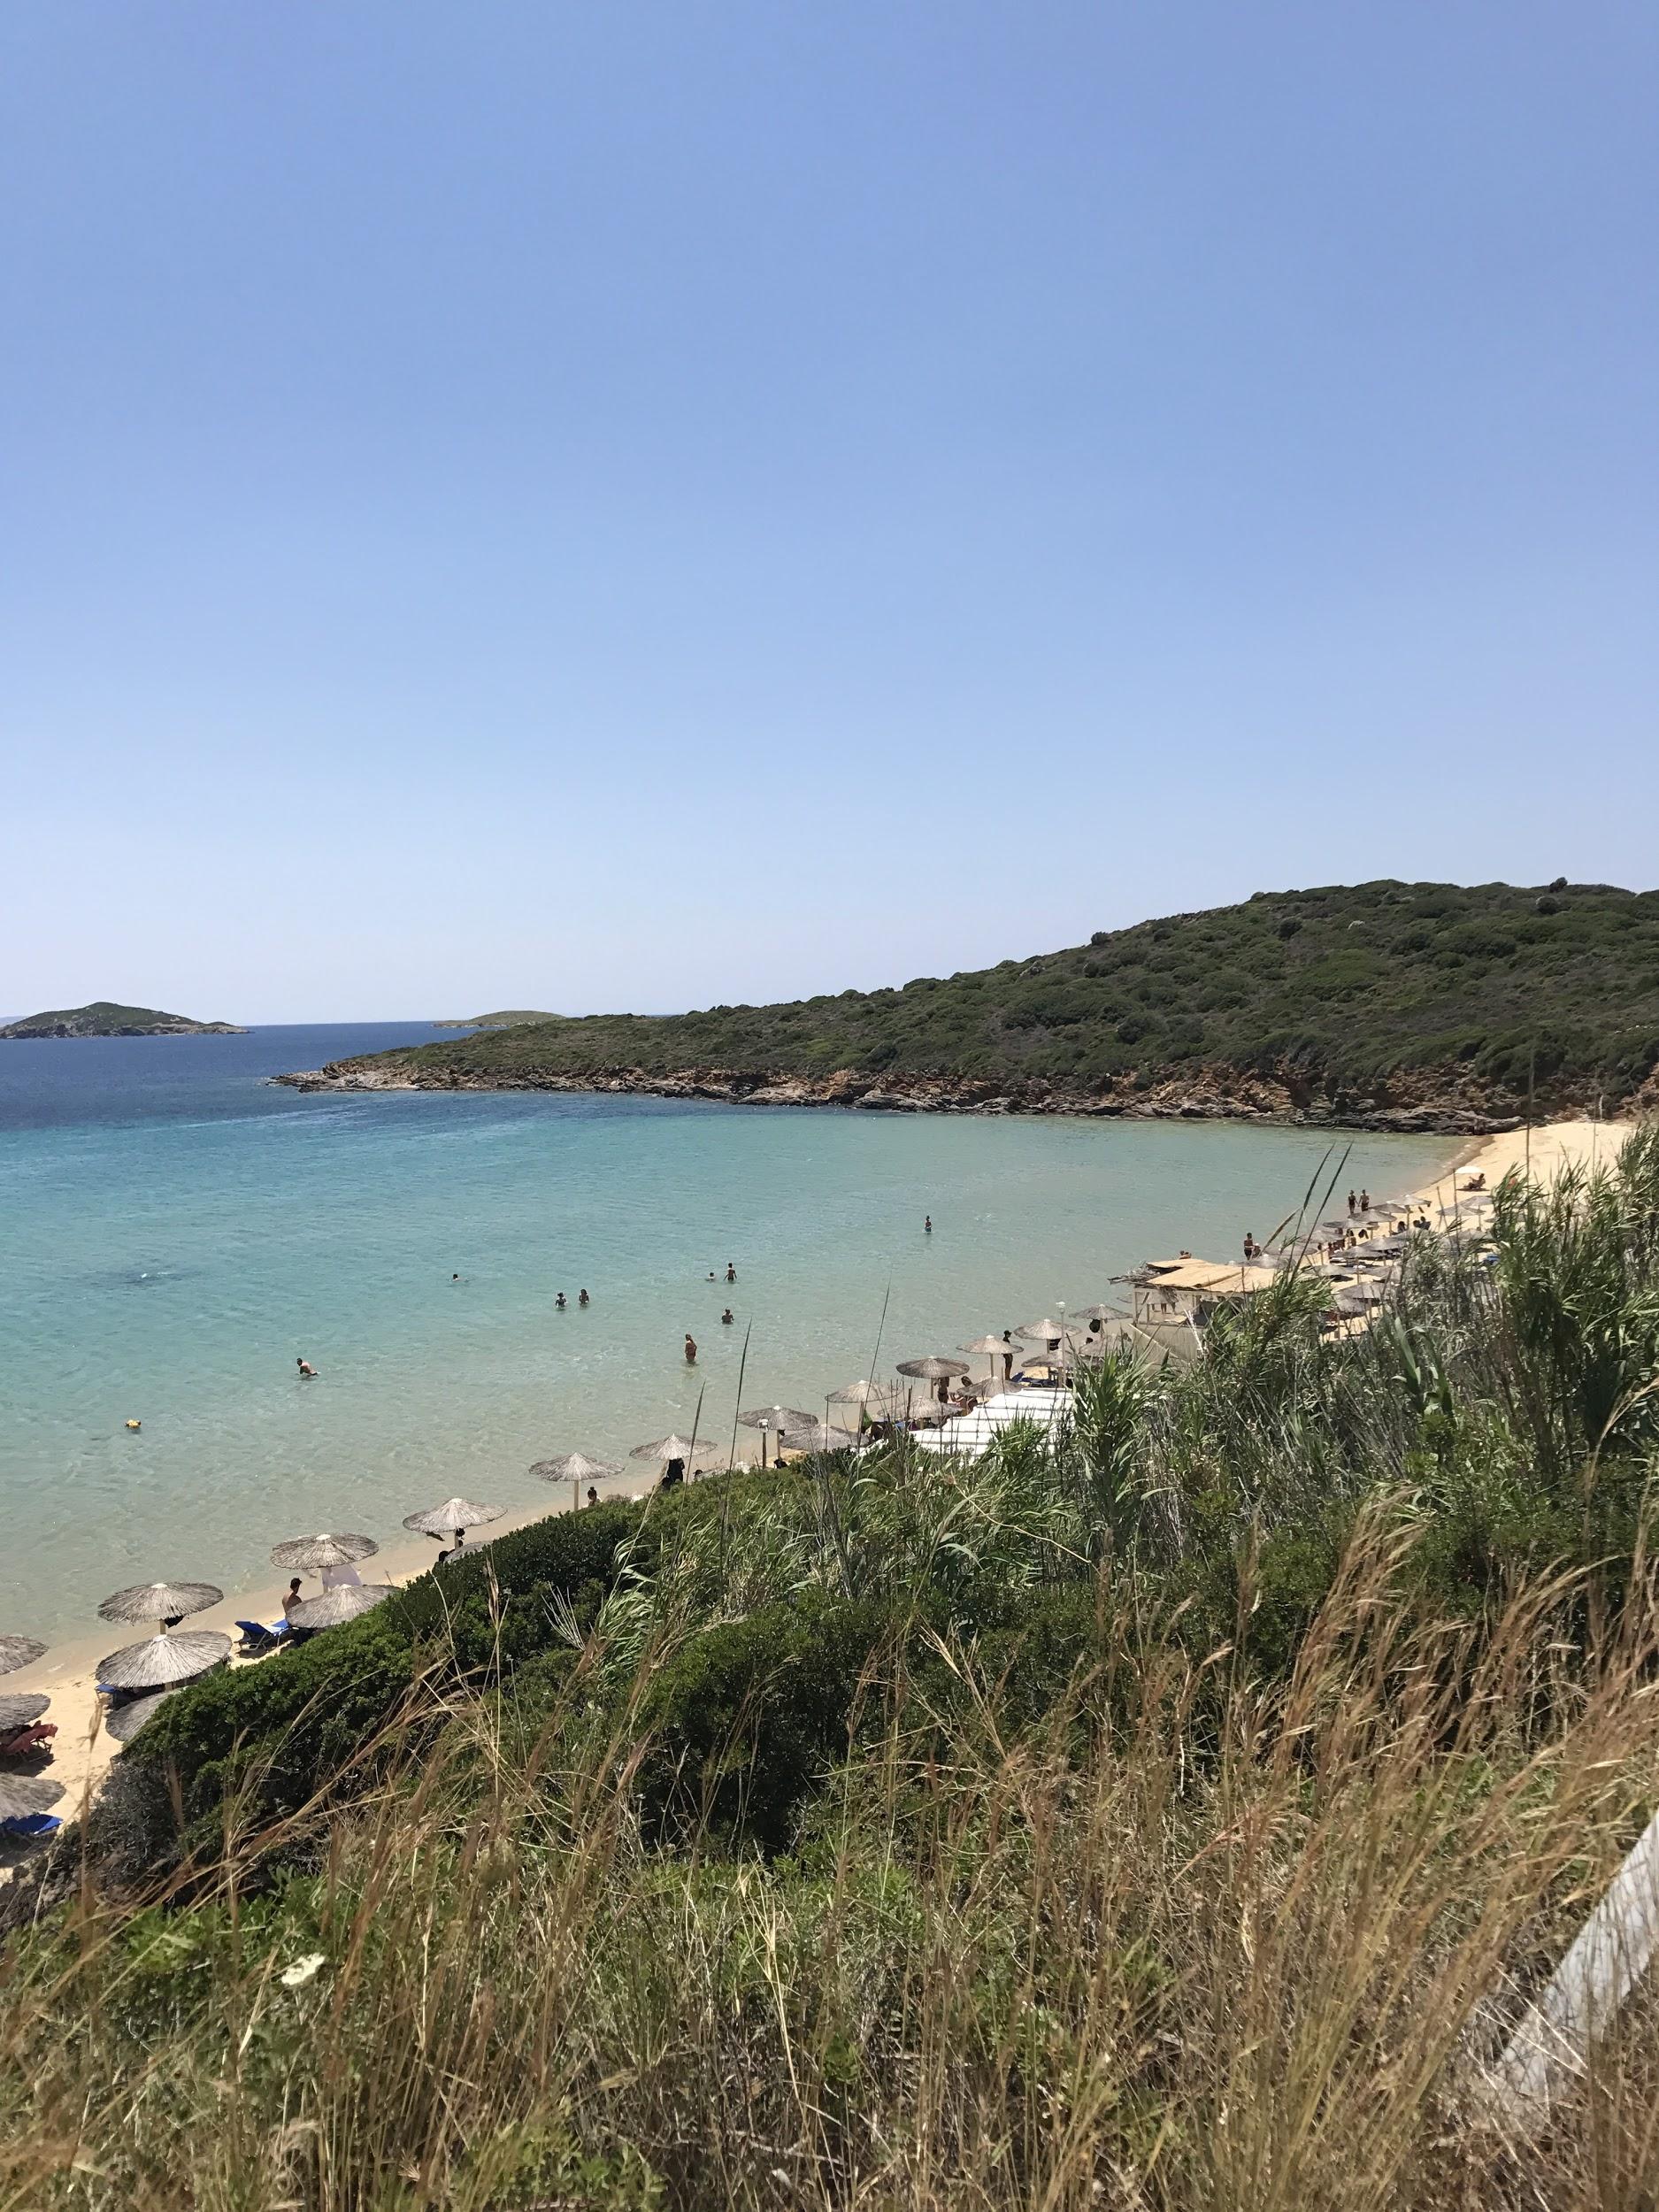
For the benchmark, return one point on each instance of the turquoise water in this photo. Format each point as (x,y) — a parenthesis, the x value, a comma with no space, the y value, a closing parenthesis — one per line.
(177,1230)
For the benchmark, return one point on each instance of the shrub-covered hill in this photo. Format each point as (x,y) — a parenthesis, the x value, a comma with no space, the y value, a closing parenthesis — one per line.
(1398,995)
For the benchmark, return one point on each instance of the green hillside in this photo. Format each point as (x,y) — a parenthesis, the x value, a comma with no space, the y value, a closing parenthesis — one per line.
(1341,987)
(104,1018)
(509,1020)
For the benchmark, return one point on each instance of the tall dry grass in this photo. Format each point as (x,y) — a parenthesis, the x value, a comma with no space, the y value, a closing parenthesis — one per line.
(1186,1942)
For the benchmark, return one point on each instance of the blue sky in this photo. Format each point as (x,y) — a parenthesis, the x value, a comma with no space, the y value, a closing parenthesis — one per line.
(647,506)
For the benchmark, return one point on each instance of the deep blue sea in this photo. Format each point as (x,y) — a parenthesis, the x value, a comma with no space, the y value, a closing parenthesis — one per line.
(175,1232)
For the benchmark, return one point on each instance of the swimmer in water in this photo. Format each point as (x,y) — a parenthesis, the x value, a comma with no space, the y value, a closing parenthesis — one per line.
(455,1279)
(306,1370)
(727,1318)
(582,1299)
(559,1301)
(691,1349)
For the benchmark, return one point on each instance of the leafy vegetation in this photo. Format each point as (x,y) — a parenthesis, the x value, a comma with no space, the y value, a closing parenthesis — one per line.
(1343,990)
(1171,1812)
(104,1018)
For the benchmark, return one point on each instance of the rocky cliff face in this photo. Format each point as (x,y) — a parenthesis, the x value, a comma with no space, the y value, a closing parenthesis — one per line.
(1444,1099)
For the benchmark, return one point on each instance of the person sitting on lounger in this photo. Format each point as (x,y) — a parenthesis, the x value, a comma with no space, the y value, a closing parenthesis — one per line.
(292,1599)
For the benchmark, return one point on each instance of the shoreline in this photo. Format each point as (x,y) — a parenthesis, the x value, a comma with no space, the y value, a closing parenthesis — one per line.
(1447,1106)
(82,1751)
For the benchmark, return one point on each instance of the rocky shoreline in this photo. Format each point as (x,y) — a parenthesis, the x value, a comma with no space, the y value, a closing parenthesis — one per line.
(1418,1102)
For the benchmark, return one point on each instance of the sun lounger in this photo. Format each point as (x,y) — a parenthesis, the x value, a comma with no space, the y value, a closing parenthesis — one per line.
(256,1637)
(28,1826)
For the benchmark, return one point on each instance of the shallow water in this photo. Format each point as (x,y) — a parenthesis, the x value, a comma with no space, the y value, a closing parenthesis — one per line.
(176,1231)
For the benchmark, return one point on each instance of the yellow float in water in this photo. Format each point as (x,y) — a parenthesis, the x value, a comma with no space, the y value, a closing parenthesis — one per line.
(134,1424)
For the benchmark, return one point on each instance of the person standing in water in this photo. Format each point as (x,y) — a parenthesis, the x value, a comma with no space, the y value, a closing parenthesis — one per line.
(558,1303)
(727,1318)
(731,1272)
(582,1299)
(306,1370)
(691,1349)
(927,1224)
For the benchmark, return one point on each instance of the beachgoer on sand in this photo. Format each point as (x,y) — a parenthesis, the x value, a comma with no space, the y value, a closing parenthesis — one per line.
(1364,1201)
(306,1369)
(292,1599)
(592,1496)
(1353,1203)
(691,1355)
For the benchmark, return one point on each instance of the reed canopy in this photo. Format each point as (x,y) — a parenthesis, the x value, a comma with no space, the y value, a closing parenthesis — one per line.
(575,1467)
(934,1369)
(776,1417)
(123,1722)
(451,1517)
(314,1553)
(19,1651)
(22,1707)
(160,1663)
(23,1795)
(667,1448)
(160,1601)
(345,1603)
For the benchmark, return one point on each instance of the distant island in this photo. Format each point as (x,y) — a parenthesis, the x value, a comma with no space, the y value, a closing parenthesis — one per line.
(1384,1005)
(104,1018)
(512,1021)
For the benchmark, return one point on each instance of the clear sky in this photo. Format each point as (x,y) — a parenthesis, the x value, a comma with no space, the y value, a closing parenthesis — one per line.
(642,504)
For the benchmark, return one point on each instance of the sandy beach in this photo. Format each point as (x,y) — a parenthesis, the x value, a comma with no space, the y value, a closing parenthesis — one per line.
(82,1750)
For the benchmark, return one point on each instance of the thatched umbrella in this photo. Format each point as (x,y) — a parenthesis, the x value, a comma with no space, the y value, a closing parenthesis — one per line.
(344,1603)
(992,1347)
(673,1452)
(313,1553)
(935,1370)
(123,1722)
(1044,1332)
(819,1436)
(575,1468)
(773,1420)
(667,1448)
(450,1517)
(22,1707)
(160,1601)
(23,1795)
(161,1663)
(19,1651)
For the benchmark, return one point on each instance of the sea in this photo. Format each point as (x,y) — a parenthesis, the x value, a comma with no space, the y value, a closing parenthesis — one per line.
(176,1231)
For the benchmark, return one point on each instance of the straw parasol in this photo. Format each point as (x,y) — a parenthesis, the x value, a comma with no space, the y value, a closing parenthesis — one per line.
(1048,1332)
(451,1517)
(859,1394)
(934,1369)
(773,1420)
(1099,1313)
(123,1722)
(314,1553)
(819,1436)
(160,1663)
(22,1796)
(994,1344)
(345,1603)
(667,1448)
(575,1467)
(21,1708)
(160,1601)
(772,1417)
(19,1651)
